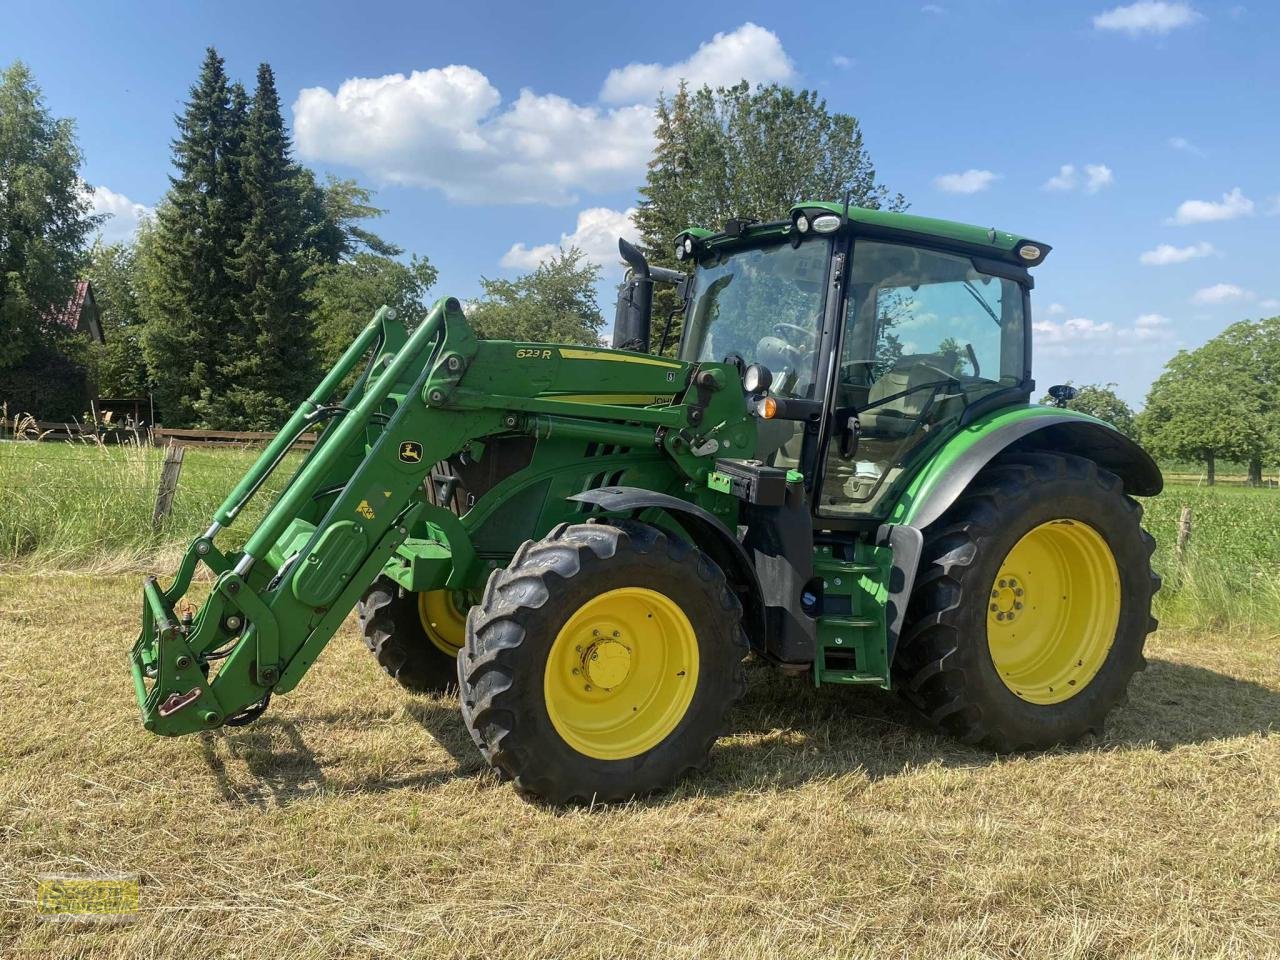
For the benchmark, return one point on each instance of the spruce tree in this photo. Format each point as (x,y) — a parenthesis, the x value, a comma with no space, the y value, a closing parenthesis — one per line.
(266,380)
(192,300)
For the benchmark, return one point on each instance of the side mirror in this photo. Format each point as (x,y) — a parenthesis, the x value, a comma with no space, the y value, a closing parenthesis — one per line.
(1062,394)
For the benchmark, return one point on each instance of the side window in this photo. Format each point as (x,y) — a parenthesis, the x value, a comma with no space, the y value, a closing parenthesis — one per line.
(926,335)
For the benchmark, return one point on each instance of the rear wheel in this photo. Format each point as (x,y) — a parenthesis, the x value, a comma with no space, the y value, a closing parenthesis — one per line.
(414,636)
(601,663)
(1032,605)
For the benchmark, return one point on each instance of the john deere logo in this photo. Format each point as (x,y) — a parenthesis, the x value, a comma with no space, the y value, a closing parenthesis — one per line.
(410,452)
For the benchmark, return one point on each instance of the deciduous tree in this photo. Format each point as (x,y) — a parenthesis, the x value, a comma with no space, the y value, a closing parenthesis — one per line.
(556,303)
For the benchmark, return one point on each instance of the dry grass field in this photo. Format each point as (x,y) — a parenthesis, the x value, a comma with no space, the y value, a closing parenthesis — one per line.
(354,820)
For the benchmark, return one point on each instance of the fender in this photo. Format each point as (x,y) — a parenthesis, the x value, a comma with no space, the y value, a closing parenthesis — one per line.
(706,531)
(1030,427)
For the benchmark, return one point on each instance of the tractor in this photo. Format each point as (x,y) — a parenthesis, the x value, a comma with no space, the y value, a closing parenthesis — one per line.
(835,468)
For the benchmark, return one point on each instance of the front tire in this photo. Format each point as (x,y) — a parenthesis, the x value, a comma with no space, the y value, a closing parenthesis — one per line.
(1032,605)
(600,665)
(415,637)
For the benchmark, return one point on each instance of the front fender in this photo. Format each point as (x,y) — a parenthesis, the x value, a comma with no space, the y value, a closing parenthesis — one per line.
(937,485)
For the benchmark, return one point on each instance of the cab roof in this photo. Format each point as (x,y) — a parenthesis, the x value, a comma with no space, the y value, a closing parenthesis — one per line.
(884,224)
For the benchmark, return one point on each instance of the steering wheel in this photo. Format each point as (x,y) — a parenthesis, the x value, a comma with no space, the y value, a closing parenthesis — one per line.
(782,329)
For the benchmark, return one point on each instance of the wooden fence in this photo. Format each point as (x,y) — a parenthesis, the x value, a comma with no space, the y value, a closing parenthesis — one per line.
(160,436)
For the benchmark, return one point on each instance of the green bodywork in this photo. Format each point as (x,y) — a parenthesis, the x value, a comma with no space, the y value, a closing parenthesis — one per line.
(550,422)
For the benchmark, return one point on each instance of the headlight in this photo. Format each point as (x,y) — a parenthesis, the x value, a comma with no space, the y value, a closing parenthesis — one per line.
(802,223)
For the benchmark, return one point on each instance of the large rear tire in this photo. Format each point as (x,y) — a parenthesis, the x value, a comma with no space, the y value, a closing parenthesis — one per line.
(414,636)
(1032,605)
(601,663)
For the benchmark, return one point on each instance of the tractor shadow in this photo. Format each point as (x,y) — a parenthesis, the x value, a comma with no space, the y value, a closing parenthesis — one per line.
(786,732)
(278,766)
(270,764)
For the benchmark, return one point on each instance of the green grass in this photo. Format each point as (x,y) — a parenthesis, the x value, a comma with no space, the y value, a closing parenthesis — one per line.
(71,505)
(68,505)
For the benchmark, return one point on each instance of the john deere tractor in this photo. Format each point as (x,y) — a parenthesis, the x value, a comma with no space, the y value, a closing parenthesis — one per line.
(839,472)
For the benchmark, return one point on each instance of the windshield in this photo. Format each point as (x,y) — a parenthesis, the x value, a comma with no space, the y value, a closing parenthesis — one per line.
(763,305)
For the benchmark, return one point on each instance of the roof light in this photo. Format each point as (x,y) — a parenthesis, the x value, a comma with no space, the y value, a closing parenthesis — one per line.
(802,223)
(826,223)
(679,251)
(1029,251)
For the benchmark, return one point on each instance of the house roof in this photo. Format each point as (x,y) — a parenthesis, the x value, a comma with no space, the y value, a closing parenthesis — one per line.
(69,316)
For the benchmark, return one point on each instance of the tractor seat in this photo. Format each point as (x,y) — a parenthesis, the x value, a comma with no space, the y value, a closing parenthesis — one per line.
(900,416)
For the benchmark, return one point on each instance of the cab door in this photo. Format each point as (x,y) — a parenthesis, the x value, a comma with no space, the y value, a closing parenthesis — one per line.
(926,335)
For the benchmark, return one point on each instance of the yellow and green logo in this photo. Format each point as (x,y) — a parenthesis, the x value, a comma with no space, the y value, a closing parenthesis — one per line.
(86,897)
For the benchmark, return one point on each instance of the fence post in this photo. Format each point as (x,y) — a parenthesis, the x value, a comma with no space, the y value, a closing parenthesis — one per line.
(168,484)
(1184,533)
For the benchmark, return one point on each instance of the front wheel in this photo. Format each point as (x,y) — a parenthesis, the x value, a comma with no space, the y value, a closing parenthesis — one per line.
(601,663)
(1032,605)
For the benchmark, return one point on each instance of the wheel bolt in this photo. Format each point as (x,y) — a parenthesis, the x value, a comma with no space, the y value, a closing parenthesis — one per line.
(1004,583)
(994,608)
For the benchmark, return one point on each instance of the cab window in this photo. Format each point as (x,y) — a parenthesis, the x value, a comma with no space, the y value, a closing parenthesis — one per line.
(927,334)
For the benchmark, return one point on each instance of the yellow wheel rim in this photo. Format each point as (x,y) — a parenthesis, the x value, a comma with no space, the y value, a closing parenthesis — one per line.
(444,619)
(1053,610)
(621,673)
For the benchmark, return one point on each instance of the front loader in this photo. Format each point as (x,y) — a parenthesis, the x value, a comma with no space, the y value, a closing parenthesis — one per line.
(840,472)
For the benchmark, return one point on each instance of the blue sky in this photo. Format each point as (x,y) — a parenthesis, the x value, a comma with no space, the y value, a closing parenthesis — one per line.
(1139,139)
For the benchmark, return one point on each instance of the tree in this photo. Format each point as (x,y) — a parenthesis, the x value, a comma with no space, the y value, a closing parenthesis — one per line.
(556,303)
(1249,352)
(333,216)
(1203,408)
(739,152)
(119,369)
(191,299)
(1101,400)
(346,294)
(44,226)
(274,366)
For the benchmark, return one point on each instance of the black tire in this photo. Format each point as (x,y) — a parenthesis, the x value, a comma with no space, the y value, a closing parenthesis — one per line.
(510,635)
(944,667)
(393,632)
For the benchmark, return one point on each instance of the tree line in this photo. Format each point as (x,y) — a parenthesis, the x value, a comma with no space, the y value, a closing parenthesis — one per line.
(1217,403)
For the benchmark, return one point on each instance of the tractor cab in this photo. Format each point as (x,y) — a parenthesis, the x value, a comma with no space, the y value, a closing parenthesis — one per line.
(888,330)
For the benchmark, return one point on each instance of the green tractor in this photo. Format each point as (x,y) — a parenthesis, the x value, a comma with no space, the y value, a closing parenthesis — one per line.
(841,473)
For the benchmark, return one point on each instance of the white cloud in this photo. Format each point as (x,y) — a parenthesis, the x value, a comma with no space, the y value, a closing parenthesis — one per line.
(971,181)
(1080,335)
(1057,309)
(1166,254)
(749,53)
(1271,303)
(123,215)
(1147,16)
(447,128)
(1096,176)
(1234,204)
(1185,145)
(840,61)
(933,8)
(1221,293)
(1064,180)
(596,235)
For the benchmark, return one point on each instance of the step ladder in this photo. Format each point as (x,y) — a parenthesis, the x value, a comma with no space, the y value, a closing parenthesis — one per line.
(851,623)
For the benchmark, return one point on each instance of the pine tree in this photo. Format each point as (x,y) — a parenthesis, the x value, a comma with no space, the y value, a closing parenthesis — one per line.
(44,218)
(277,368)
(191,299)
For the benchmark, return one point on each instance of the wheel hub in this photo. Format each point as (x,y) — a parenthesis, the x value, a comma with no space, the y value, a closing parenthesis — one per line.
(1007,598)
(606,663)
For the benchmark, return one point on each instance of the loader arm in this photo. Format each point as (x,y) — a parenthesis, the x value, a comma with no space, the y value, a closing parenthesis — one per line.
(357,506)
